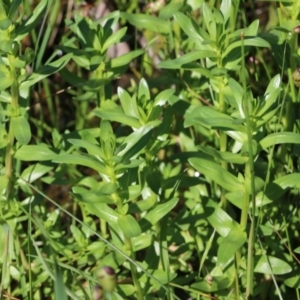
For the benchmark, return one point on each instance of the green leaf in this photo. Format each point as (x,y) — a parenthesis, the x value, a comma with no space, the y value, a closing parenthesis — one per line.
(157,213)
(216,173)
(114,38)
(218,283)
(4,24)
(129,226)
(187,26)
(92,149)
(103,211)
(39,152)
(153,178)
(177,63)
(224,156)
(212,118)
(78,236)
(167,11)
(277,188)
(220,220)
(144,21)
(163,97)
(210,22)
(226,9)
(83,160)
(233,53)
(21,129)
(88,196)
(59,287)
(293,282)
(6,78)
(30,23)
(123,60)
(280,138)
(34,172)
(128,103)
(272,265)
(297,250)
(136,141)
(45,71)
(229,245)
(141,242)
(112,112)
(143,92)
(3,183)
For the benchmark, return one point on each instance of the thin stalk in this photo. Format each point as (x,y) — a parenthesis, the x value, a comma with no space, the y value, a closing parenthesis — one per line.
(133,270)
(11,138)
(55,10)
(223,136)
(250,171)
(164,254)
(128,245)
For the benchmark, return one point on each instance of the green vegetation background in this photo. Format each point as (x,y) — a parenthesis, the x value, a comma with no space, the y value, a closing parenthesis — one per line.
(149,149)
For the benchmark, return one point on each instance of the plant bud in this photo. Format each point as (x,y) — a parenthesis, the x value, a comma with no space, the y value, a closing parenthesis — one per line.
(296,77)
(296,29)
(107,278)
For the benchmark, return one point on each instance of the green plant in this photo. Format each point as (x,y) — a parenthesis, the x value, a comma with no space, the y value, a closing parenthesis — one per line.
(181,184)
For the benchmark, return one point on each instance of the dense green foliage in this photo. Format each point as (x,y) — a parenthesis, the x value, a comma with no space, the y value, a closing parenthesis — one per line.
(169,171)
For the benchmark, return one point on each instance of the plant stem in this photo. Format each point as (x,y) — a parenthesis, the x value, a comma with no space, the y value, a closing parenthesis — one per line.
(11,138)
(133,270)
(249,178)
(223,135)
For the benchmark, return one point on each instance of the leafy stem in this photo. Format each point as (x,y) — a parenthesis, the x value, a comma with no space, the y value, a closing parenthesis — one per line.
(249,177)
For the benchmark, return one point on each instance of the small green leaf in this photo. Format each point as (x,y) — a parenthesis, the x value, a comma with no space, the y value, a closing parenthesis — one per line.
(21,130)
(30,23)
(280,138)
(277,188)
(272,265)
(133,144)
(78,236)
(293,282)
(224,156)
(129,226)
(45,71)
(143,91)
(187,26)
(193,56)
(163,97)
(210,22)
(157,213)
(226,9)
(39,152)
(229,245)
(4,24)
(297,250)
(216,173)
(82,160)
(91,148)
(167,11)
(103,211)
(212,118)
(114,38)
(144,21)
(220,220)
(218,283)
(112,112)
(123,60)
(34,172)
(128,103)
